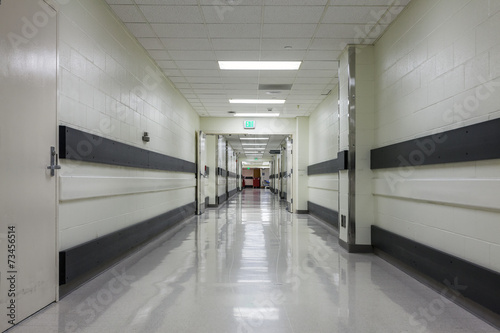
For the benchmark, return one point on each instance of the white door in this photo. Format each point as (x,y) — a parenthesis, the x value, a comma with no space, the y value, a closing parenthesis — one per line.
(289,171)
(28,262)
(202,183)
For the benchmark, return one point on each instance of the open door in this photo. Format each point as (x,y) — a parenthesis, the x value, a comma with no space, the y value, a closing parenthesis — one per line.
(202,174)
(28,136)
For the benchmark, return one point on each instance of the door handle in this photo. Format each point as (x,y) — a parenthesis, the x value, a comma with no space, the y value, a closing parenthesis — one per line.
(53,162)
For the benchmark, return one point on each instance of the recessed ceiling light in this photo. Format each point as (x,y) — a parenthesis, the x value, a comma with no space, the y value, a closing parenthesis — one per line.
(257,101)
(254,148)
(254,144)
(256,115)
(254,138)
(260,65)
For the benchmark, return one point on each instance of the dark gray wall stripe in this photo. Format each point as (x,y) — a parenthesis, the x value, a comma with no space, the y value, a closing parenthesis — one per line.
(328,215)
(355,248)
(471,143)
(85,257)
(331,166)
(482,284)
(221,198)
(232,192)
(231,174)
(81,146)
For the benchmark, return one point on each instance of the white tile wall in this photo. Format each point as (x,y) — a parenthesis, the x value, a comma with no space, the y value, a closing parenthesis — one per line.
(221,163)
(231,167)
(438,68)
(108,85)
(323,146)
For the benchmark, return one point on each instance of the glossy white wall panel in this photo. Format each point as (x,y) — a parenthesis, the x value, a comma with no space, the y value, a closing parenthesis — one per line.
(110,86)
(92,218)
(434,59)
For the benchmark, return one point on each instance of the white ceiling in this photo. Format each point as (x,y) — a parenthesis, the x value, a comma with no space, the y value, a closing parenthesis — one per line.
(187,38)
(238,145)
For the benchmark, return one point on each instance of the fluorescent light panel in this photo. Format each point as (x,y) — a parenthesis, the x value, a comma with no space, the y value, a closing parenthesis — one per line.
(257,115)
(254,138)
(254,148)
(260,65)
(257,101)
(254,144)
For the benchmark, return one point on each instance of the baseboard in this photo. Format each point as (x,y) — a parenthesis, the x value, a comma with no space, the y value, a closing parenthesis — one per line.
(328,215)
(355,248)
(97,254)
(478,287)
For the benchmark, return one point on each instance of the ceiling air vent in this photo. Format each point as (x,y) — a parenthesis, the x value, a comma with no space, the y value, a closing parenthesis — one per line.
(275,87)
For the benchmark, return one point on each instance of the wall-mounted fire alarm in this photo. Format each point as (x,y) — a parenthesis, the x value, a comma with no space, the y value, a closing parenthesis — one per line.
(145,137)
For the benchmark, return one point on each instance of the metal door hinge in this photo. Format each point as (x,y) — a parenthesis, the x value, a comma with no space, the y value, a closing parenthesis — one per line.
(53,162)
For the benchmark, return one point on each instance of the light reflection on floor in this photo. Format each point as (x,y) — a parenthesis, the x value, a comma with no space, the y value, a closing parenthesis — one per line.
(250,266)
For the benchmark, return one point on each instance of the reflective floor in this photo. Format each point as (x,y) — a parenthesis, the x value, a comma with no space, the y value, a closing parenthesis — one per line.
(250,266)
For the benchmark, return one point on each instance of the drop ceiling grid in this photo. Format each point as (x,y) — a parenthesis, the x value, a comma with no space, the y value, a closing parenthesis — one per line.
(187,37)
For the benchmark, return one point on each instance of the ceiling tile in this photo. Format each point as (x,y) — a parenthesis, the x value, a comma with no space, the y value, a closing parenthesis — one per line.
(279,44)
(329,44)
(295,2)
(288,30)
(238,55)
(186,37)
(166,64)
(235,44)
(292,14)
(140,29)
(353,14)
(336,31)
(159,54)
(120,2)
(234,30)
(199,44)
(322,55)
(128,13)
(180,30)
(324,65)
(197,65)
(232,14)
(172,14)
(317,73)
(200,72)
(227,6)
(192,55)
(283,55)
(201,79)
(150,43)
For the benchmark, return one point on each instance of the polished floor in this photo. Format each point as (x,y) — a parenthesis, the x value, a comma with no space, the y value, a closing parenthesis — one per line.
(250,266)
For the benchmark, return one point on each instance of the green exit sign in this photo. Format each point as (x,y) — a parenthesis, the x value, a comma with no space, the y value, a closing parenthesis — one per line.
(249,124)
